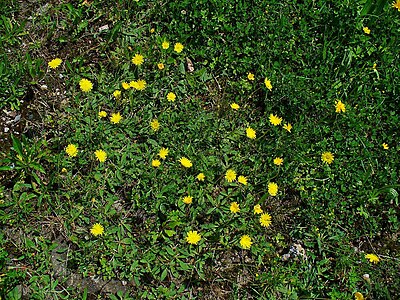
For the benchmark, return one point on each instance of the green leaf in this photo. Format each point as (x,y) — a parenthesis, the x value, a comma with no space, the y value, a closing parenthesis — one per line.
(17,146)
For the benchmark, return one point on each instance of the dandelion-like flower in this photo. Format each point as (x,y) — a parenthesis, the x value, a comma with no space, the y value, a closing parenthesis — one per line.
(138,59)
(193,237)
(278,161)
(97,229)
(155,163)
(265,220)
(385,146)
(230,175)
(251,133)
(396,4)
(250,76)
(366,30)
(358,296)
(178,47)
(288,127)
(201,177)
(155,125)
(242,179)
(245,242)
(101,155)
(102,114)
(275,120)
(171,97)
(85,85)
(71,150)
(140,85)
(185,162)
(327,157)
(372,258)
(125,85)
(234,208)
(235,106)
(55,63)
(340,107)
(117,94)
(272,188)
(160,66)
(115,118)
(257,209)
(163,153)
(187,200)
(268,84)
(165,45)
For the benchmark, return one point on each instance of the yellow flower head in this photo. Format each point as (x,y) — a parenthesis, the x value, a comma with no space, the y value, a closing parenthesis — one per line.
(138,59)
(193,237)
(187,200)
(163,153)
(340,107)
(140,85)
(101,155)
(85,85)
(372,258)
(55,63)
(275,120)
(155,163)
(272,188)
(117,94)
(97,229)
(366,30)
(245,242)
(152,30)
(268,84)
(115,118)
(265,220)
(278,161)
(234,208)
(125,85)
(178,47)
(396,4)
(358,296)
(257,209)
(102,114)
(242,180)
(251,133)
(288,127)
(165,45)
(385,146)
(235,106)
(155,125)
(185,162)
(160,66)
(327,157)
(250,76)
(64,170)
(71,150)
(201,177)
(171,97)
(230,175)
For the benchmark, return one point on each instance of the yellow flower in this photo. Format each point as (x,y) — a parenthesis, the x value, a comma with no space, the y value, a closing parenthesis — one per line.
(115,118)
(97,229)
(117,94)
(101,155)
(64,170)
(372,258)
(396,4)
(288,127)
(171,97)
(193,237)
(358,296)
(340,107)
(201,177)
(55,63)
(187,200)
(235,106)
(265,220)
(367,30)
(163,153)
(242,180)
(275,120)
(102,114)
(327,157)
(245,242)
(385,146)
(268,84)
(251,133)
(257,209)
(160,66)
(178,47)
(152,30)
(374,66)
(155,125)
(155,163)
(185,162)
(125,85)
(85,85)
(278,161)
(272,188)
(234,208)
(165,45)
(230,175)
(138,59)
(71,150)
(140,85)
(250,76)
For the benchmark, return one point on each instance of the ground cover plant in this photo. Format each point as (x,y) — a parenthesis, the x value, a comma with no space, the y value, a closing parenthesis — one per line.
(199,150)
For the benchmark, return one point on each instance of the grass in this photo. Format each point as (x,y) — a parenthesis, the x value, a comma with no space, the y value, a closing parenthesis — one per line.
(326,216)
